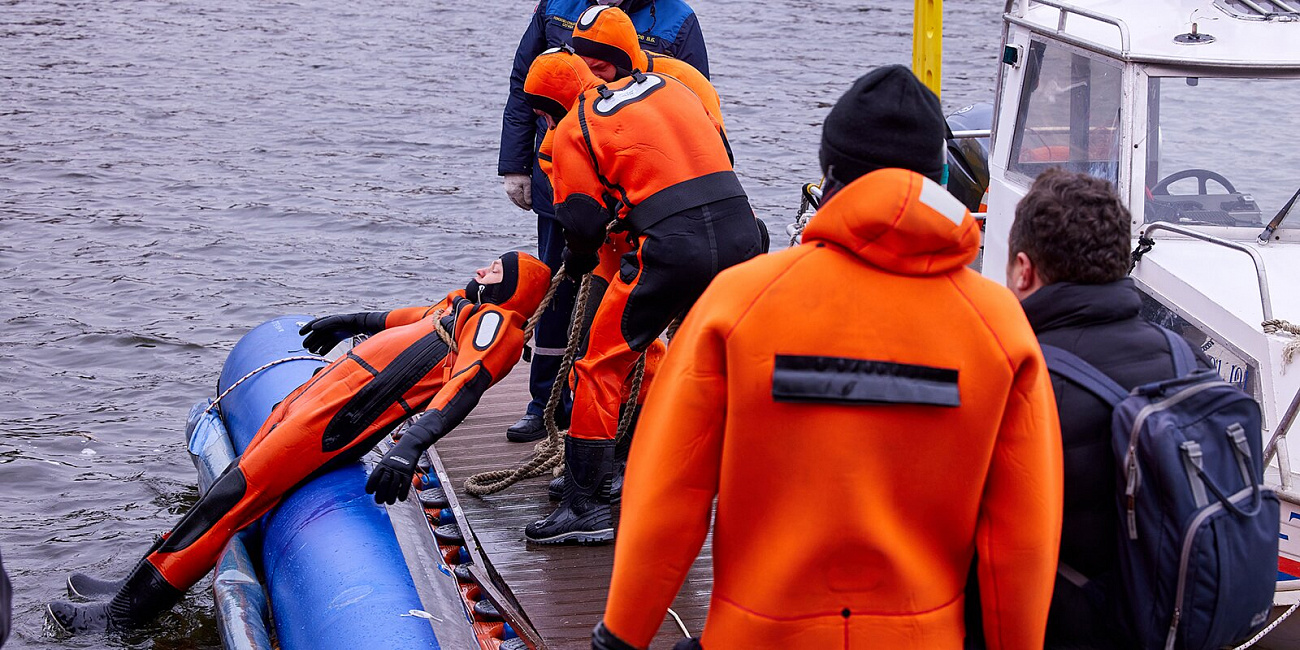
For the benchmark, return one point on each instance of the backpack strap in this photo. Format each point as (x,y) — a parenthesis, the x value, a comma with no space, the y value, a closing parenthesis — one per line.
(1083,374)
(1184,358)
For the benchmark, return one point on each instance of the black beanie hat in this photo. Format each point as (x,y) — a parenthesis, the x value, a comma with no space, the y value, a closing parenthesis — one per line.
(887,119)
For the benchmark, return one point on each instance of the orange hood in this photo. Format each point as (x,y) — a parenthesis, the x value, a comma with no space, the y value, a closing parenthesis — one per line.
(531,278)
(899,221)
(555,80)
(607,34)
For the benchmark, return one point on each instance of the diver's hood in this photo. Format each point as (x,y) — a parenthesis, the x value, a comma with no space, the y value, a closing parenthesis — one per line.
(555,80)
(607,34)
(523,284)
(900,221)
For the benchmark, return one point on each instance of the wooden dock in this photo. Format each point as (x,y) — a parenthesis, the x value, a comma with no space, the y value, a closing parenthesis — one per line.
(560,590)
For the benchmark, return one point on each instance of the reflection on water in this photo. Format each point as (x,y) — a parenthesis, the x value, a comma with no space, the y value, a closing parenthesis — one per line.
(173,173)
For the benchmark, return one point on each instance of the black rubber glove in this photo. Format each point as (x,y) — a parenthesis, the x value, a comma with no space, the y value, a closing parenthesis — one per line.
(327,331)
(603,639)
(577,265)
(390,481)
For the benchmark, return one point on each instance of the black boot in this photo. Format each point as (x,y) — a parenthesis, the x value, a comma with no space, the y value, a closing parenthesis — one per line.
(88,587)
(582,517)
(529,428)
(611,492)
(144,595)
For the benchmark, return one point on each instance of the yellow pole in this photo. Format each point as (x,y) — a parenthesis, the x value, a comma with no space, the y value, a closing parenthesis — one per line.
(927,42)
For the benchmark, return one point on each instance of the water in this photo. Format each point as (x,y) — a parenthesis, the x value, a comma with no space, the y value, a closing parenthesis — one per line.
(174,172)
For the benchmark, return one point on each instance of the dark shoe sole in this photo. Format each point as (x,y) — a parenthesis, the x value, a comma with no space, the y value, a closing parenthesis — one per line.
(582,537)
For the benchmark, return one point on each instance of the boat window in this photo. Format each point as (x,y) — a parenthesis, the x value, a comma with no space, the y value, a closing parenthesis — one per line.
(1220,153)
(1232,368)
(1069,114)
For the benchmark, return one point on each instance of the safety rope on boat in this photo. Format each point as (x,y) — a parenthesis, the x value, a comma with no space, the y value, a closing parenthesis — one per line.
(254,372)
(1255,639)
(1278,325)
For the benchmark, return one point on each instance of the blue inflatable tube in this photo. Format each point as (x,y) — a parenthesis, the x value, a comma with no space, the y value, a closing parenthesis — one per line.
(333,568)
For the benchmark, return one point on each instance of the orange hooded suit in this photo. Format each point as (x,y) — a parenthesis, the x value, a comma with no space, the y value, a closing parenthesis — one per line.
(870,414)
(642,150)
(346,408)
(606,33)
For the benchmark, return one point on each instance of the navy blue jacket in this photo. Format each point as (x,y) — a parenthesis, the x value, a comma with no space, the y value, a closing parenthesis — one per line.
(666,26)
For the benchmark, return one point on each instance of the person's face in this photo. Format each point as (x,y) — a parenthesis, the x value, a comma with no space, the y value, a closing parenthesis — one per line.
(491,274)
(601,69)
(550,120)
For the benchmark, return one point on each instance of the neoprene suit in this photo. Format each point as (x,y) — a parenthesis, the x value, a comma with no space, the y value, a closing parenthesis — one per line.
(347,407)
(862,445)
(674,194)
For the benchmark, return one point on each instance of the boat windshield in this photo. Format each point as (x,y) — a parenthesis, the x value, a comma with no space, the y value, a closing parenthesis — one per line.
(1222,151)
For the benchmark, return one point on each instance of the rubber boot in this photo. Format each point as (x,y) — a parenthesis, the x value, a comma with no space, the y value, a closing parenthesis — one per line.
(144,595)
(582,517)
(611,492)
(87,587)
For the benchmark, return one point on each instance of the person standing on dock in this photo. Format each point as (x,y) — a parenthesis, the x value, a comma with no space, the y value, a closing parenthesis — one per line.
(434,361)
(641,154)
(1070,254)
(667,26)
(869,414)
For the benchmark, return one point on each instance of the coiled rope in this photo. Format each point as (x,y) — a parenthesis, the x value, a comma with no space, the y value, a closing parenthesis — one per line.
(549,453)
(1277,325)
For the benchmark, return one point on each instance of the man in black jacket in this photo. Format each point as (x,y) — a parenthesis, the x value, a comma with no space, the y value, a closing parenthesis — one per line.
(1070,251)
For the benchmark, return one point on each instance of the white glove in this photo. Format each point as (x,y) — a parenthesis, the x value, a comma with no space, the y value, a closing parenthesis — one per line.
(519,187)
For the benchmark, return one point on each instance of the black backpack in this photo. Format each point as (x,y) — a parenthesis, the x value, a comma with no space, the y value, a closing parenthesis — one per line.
(1198,530)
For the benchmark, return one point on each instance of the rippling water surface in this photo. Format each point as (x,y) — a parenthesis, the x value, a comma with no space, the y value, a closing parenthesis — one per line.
(174,172)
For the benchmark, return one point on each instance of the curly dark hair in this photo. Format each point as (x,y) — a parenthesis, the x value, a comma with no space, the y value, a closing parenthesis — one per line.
(1073,228)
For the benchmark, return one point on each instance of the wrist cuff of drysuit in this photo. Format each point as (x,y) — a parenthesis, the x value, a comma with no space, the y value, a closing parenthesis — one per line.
(427,430)
(373,322)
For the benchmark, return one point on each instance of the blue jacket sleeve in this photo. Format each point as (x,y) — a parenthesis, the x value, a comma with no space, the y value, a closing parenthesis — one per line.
(519,123)
(689,46)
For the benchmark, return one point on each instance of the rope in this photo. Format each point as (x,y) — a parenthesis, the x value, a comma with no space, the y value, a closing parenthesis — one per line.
(680,624)
(549,453)
(546,302)
(442,331)
(1255,639)
(254,372)
(1277,325)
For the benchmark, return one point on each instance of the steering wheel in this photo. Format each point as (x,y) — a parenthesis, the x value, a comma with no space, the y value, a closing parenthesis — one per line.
(1202,175)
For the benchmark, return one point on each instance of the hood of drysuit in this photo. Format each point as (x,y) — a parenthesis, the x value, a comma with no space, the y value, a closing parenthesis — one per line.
(523,284)
(900,221)
(555,80)
(606,33)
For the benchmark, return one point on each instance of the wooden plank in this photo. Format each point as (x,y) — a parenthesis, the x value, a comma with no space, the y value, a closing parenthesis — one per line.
(561,589)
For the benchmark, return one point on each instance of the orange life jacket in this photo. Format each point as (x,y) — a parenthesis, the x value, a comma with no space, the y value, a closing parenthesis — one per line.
(862,446)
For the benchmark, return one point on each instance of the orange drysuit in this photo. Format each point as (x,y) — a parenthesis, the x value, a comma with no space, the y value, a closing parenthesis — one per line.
(606,33)
(346,408)
(642,150)
(870,414)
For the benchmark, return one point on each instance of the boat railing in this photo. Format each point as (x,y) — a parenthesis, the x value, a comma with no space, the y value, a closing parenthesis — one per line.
(971,134)
(1265,301)
(1066,10)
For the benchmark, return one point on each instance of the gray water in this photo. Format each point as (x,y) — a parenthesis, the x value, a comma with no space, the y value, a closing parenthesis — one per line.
(175,172)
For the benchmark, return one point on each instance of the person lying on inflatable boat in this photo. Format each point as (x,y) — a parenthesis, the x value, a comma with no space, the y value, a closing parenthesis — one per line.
(336,417)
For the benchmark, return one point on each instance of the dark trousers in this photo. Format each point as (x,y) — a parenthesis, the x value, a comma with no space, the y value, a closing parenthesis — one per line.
(552,332)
